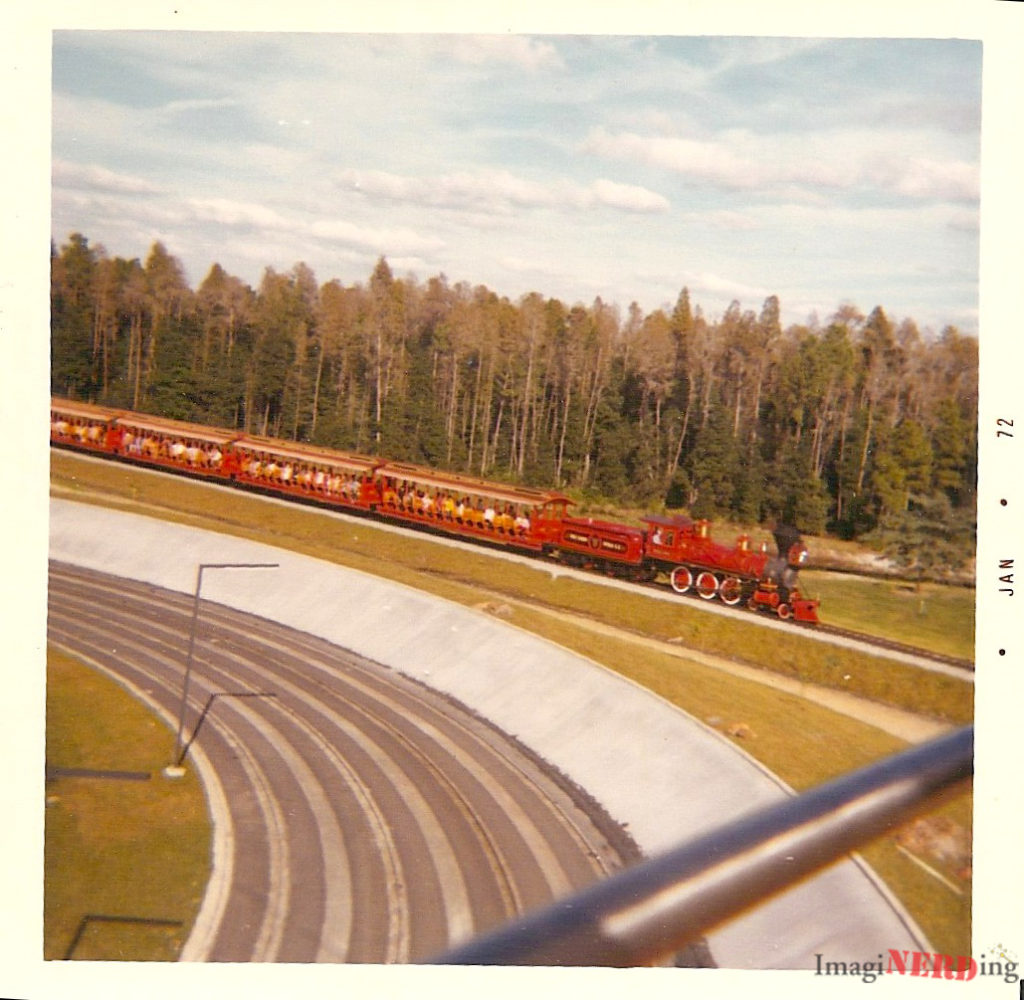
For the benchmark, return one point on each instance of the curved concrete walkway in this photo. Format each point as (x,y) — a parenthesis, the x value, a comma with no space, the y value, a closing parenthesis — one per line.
(651,766)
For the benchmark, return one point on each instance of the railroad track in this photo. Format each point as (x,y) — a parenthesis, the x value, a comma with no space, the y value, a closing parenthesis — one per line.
(363,817)
(819,630)
(428,531)
(893,645)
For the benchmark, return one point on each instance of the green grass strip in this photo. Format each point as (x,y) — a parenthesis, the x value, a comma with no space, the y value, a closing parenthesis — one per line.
(136,851)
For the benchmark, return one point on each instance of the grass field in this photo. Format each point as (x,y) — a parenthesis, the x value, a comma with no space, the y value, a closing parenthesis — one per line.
(800,741)
(134,850)
(930,616)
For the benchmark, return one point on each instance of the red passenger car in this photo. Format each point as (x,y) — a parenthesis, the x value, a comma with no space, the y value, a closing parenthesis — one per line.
(463,505)
(305,470)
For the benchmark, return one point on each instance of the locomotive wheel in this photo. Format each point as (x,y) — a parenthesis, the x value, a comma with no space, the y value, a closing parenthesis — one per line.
(707,585)
(784,611)
(731,591)
(681,579)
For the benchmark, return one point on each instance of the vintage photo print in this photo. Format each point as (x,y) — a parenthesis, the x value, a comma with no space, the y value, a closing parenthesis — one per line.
(530,499)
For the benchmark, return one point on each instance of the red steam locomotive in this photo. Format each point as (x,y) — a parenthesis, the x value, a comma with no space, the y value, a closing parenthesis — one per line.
(532,521)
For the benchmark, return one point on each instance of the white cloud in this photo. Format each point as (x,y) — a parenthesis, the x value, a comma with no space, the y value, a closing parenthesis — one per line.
(723,219)
(226,212)
(951,180)
(517,50)
(380,240)
(499,191)
(708,160)
(88,177)
(740,159)
(628,197)
(198,104)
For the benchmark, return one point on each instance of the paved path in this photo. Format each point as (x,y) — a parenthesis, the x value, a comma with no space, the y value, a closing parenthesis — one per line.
(651,766)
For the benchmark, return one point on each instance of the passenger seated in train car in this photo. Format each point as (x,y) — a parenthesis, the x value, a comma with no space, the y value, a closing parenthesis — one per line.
(489,516)
(319,479)
(390,494)
(214,456)
(504,522)
(287,471)
(448,507)
(522,522)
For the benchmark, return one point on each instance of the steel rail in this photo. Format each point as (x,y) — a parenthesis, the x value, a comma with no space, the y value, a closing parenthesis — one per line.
(650,911)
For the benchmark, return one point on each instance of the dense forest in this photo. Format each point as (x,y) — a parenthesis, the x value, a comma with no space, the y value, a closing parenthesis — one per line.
(858,426)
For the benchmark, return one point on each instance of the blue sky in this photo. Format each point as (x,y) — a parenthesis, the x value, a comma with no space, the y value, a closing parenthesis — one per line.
(823,171)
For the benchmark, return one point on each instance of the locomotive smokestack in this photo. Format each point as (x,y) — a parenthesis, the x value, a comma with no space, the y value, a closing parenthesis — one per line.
(786,536)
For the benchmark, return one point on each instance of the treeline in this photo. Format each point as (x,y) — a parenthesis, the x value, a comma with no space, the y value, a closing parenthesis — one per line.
(856,426)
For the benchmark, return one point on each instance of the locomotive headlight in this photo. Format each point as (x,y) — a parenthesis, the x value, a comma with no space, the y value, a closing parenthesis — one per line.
(797,555)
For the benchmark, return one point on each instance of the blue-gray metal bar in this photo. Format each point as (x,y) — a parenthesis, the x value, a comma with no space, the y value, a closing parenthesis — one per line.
(651,910)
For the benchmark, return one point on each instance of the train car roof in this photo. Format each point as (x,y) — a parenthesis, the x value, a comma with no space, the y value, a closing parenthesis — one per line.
(164,425)
(306,452)
(668,520)
(89,410)
(454,481)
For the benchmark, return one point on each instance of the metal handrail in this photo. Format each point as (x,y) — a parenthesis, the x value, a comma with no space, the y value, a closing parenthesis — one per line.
(656,907)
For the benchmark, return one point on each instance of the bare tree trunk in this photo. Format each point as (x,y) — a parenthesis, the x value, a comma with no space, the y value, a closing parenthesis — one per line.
(682,433)
(866,449)
(449,429)
(316,391)
(475,410)
(561,436)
